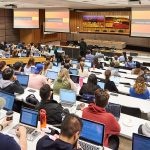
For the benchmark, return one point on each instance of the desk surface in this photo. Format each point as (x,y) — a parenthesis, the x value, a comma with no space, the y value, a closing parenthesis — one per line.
(11,61)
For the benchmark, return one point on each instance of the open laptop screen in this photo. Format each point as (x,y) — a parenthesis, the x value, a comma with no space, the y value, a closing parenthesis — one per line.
(140,142)
(9,98)
(75,78)
(92,132)
(56,68)
(74,61)
(73,71)
(29,117)
(0,75)
(67,96)
(33,69)
(88,64)
(51,74)
(101,84)
(23,79)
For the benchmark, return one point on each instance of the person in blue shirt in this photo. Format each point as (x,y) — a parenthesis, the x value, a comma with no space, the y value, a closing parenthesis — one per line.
(89,56)
(8,143)
(139,89)
(130,64)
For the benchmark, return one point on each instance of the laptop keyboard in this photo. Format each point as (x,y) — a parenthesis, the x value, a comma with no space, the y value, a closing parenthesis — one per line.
(88,146)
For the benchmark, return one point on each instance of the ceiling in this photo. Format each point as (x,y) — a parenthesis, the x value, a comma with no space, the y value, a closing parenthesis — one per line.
(74,4)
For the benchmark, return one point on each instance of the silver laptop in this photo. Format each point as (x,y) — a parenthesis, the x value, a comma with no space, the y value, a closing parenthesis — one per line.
(67,97)
(28,119)
(92,135)
(51,74)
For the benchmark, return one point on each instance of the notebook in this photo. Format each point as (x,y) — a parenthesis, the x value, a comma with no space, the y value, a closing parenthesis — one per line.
(140,142)
(9,98)
(75,78)
(73,71)
(115,109)
(51,74)
(28,119)
(101,84)
(92,135)
(23,79)
(67,97)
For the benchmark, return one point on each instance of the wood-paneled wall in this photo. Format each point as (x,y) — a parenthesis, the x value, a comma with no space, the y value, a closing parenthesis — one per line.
(7,32)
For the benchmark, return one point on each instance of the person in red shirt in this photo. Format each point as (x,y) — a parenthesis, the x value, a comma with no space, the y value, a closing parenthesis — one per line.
(96,112)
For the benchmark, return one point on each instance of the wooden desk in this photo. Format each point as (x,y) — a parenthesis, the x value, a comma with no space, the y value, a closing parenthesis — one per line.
(11,61)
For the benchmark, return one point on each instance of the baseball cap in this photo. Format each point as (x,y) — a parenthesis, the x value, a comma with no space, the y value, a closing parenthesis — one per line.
(17,65)
(38,68)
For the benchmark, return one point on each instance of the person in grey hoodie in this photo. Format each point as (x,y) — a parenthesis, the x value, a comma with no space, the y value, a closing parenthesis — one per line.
(9,83)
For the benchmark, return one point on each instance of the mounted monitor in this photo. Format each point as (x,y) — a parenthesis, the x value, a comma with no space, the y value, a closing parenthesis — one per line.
(57,20)
(140,24)
(26,18)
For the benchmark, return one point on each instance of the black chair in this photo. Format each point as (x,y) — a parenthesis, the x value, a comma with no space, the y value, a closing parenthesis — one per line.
(136,112)
(28,105)
(146,64)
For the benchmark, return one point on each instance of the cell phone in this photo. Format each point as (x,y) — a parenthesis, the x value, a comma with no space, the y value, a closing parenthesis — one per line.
(32,91)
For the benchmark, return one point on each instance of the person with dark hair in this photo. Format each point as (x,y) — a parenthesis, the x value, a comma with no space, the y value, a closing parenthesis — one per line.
(96,112)
(2,66)
(17,67)
(89,56)
(83,72)
(137,71)
(130,63)
(47,65)
(91,85)
(83,47)
(9,83)
(96,64)
(123,57)
(109,85)
(69,135)
(53,109)
(27,68)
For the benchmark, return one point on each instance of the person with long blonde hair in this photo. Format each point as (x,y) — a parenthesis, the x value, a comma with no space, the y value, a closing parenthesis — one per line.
(139,89)
(63,82)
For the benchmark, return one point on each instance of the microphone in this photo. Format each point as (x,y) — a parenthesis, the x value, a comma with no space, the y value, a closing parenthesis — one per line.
(2,102)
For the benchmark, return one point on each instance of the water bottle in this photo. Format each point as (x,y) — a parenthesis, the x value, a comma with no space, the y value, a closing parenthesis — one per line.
(42,118)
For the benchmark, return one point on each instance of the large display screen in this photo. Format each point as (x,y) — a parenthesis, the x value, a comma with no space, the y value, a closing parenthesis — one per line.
(140,25)
(26,18)
(57,20)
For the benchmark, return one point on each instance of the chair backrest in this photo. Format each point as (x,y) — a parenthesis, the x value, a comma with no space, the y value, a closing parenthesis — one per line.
(136,112)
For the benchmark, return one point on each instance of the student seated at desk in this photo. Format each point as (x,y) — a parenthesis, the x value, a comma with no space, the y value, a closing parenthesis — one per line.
(68,138)
(96,64)
(91,86)
(47,65)
(8,143)
(130,64)
(63,82)
(36,81)
(89,56)
(27,68)
(53,109)
(116,61)
(109,85)
(80,60)
(82,72)
(137,71)
(96,112)
(17,67)
(3,66)
(123,57)
(139,89)
(9,83)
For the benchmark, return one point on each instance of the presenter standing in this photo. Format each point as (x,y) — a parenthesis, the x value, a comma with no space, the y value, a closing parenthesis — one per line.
(83,48)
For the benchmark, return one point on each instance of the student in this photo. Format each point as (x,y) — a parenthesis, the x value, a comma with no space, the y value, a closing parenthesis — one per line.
(89,56)
(17,67)
(36,81)
(130,64)
(109,85)
(2,66)
(137,71)
(139,89)
(91,85)
(8,143)
(63,82)
(83,48)
(80,60)
(123,57)
(116,62)
(47,65)
(82,72)
(53,109)
(27,68)
(9,83)
(96,64)
(96,112)
(68,138)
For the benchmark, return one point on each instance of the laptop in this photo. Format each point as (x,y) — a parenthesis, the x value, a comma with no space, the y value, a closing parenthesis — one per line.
(88,97)
(28,119)
(74,61)
(23,79)
(7,55)
(67,97)
(9,98)
(75,78)
(140,142)
(32,69)
(51,74)
(92,135)
(88,64)
(56,68)
(73,71)
(114,109)
(23,54)
(36,54)
(101,84)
